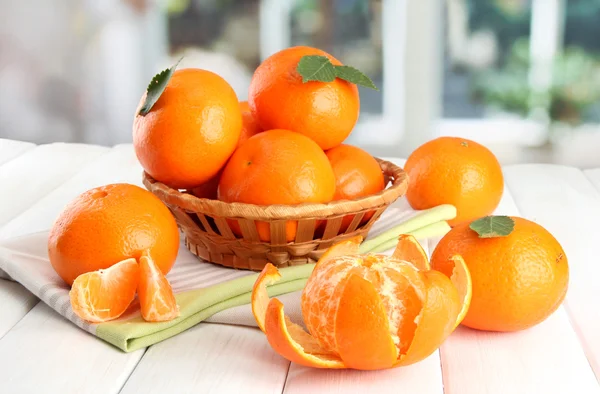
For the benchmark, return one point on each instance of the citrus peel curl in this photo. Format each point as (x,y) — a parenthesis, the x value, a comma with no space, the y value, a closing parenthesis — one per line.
(366,311)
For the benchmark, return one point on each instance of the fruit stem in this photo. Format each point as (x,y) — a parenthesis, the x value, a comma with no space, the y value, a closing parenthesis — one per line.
(426,223)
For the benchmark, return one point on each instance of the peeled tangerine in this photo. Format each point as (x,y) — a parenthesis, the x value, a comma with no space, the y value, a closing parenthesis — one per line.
(366,311)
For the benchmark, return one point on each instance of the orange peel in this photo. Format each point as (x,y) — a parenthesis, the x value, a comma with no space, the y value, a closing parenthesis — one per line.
(366,311)
(409,249)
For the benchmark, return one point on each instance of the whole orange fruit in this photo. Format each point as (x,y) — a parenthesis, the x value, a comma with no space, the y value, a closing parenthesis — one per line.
(249,124)
(357,174)
(518,280)
(365,311)
(109,224)
(455,171)
(191,130)
(277,167)
(326,112)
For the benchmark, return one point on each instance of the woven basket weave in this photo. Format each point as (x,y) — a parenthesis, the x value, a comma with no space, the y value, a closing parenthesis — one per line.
(209,236)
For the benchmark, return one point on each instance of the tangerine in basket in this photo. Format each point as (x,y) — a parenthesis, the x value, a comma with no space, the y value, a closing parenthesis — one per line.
(109,224)
(456,171)
(249,124)
(357,174)
(366,311)
(518,280)
(191,130)
(326,112)
(104,295)
(277,167)
(250,127)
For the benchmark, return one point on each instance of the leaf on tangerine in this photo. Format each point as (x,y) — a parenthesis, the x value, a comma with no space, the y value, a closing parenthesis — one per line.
(493,226)
(156,87)
(316,68)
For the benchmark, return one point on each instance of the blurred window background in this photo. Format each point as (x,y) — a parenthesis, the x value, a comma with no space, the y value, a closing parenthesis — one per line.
(521,76)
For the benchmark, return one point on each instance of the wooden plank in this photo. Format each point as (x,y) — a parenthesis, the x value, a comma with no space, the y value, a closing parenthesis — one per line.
(118,165)
(423,378)
(10,149)
(38,171)
(67,359)
(210,358)
(484,362)
(566,203)
(46,351)
(544,359)
(16,302)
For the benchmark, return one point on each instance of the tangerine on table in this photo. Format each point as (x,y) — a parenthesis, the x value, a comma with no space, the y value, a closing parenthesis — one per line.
(456,171)
(326,112)
(277,167)
(191,130)
(366,311)
(518,280)
(109,224)
(357,174)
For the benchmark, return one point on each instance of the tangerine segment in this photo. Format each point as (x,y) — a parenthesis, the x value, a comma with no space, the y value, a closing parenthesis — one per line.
(403,290)
(461,279)
(409,249)
(372,346)
(348,247)
(157,300)
(292,342)
(260,299)
(104,295)
(437,319)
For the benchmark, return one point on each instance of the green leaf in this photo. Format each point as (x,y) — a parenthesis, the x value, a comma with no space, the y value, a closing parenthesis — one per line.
(156,87)
(493,226)
(316,68)
(354,76)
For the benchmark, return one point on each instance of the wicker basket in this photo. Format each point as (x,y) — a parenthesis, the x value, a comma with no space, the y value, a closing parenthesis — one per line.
(209,236)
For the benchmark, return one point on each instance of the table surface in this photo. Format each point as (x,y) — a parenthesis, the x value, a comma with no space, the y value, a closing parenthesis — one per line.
(561,355)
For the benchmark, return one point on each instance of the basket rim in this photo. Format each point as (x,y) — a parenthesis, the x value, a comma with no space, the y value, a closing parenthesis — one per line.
(191,203)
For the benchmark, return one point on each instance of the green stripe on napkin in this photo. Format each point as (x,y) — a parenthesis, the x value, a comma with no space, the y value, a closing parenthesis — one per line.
(196,306)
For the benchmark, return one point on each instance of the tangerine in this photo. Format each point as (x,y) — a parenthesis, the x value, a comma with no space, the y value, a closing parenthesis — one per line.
(365,311)
(249,124)
(326,112)
(277,167)
(455,171)
(191,130)
(518,280)
(357,174)
(108,224)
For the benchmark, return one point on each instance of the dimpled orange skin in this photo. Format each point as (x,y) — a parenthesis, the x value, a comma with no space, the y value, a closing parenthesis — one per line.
(108,224)
(326,112)
(518,280)
(191,130)
(455,171)
(277,167)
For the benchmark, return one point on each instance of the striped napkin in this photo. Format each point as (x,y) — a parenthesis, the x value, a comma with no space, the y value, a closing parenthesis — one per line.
(204,291)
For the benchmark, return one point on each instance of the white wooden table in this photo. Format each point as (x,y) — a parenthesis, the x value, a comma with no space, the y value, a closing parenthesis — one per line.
(561,355)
